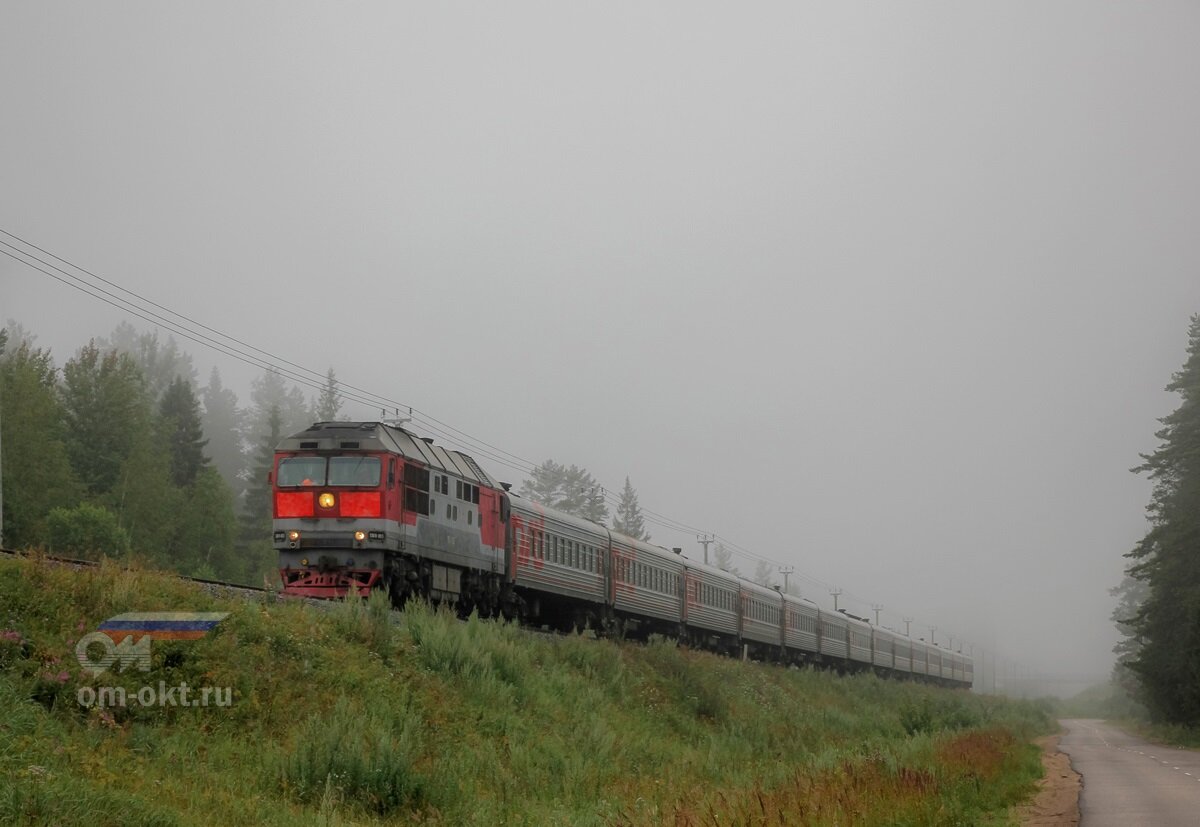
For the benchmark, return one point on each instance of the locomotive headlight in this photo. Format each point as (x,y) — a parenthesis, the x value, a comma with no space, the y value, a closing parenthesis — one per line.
(326,500)
(304,561)
(293,535)
(359,536)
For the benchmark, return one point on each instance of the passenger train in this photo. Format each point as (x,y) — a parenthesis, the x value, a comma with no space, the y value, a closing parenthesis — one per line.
(369,505)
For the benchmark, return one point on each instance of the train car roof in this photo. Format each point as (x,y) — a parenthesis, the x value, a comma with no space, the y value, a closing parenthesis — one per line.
(383,436)
(554,514)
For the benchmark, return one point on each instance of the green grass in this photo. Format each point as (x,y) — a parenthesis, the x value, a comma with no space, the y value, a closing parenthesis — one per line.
(347,717)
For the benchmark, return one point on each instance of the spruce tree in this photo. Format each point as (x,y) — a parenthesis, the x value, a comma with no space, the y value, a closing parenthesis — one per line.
(329,404)
(224,428)
(629,520)
(1166,627)
(257,510)
(180,421)
(271,391)
(105,413)
(570,489)
(764,574)
(723,559)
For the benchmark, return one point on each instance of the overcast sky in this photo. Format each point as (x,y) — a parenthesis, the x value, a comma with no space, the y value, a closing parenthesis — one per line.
(885,291)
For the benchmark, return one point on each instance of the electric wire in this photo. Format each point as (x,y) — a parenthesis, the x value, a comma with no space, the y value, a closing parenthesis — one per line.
(306,377)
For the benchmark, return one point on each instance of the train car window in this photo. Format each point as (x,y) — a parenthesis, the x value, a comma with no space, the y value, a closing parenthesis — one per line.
(475,494)
(298,471)
(470,518)
(456,512)
(391,472)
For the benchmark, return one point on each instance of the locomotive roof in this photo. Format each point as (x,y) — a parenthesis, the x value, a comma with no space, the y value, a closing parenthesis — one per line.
(383,436)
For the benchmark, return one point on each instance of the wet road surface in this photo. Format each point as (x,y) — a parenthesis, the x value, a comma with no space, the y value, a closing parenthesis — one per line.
(1128,782)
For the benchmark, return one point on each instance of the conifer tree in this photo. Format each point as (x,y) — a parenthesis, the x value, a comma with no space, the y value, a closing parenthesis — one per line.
(224,426)
(764,574)
(271,391)
(329,404)
(256,522)
(104,414)
(723,559)
(1166,627)
(180,420)
(628,519)
(255,529)
(570,489)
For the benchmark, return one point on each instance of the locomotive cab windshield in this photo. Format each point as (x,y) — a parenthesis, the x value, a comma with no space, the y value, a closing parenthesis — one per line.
(353,470)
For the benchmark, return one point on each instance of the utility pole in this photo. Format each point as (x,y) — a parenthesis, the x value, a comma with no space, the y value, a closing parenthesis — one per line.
(705,539)
(785,571)
(836,594)
(877,608)
(907,623)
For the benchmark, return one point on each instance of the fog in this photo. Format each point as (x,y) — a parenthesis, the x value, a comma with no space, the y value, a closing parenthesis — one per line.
(885,292)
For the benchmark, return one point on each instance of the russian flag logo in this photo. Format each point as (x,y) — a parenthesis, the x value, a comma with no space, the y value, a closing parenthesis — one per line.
(161,625)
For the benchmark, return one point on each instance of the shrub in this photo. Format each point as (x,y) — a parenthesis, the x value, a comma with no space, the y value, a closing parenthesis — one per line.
(88,530)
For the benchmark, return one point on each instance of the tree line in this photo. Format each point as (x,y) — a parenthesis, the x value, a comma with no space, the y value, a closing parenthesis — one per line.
(120,451)
(1158,611)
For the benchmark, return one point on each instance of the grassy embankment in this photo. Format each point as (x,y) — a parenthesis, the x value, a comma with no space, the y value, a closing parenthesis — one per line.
(345,717)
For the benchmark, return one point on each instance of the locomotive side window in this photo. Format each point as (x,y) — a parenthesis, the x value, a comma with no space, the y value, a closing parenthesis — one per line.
(354,470)
(417,477)
(294,471)
(416,501)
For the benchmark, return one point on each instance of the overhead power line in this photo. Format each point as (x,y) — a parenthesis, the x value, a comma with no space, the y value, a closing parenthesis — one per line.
(235,348)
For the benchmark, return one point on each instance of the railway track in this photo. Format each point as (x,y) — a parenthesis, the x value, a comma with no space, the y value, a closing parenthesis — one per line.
(219,588)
